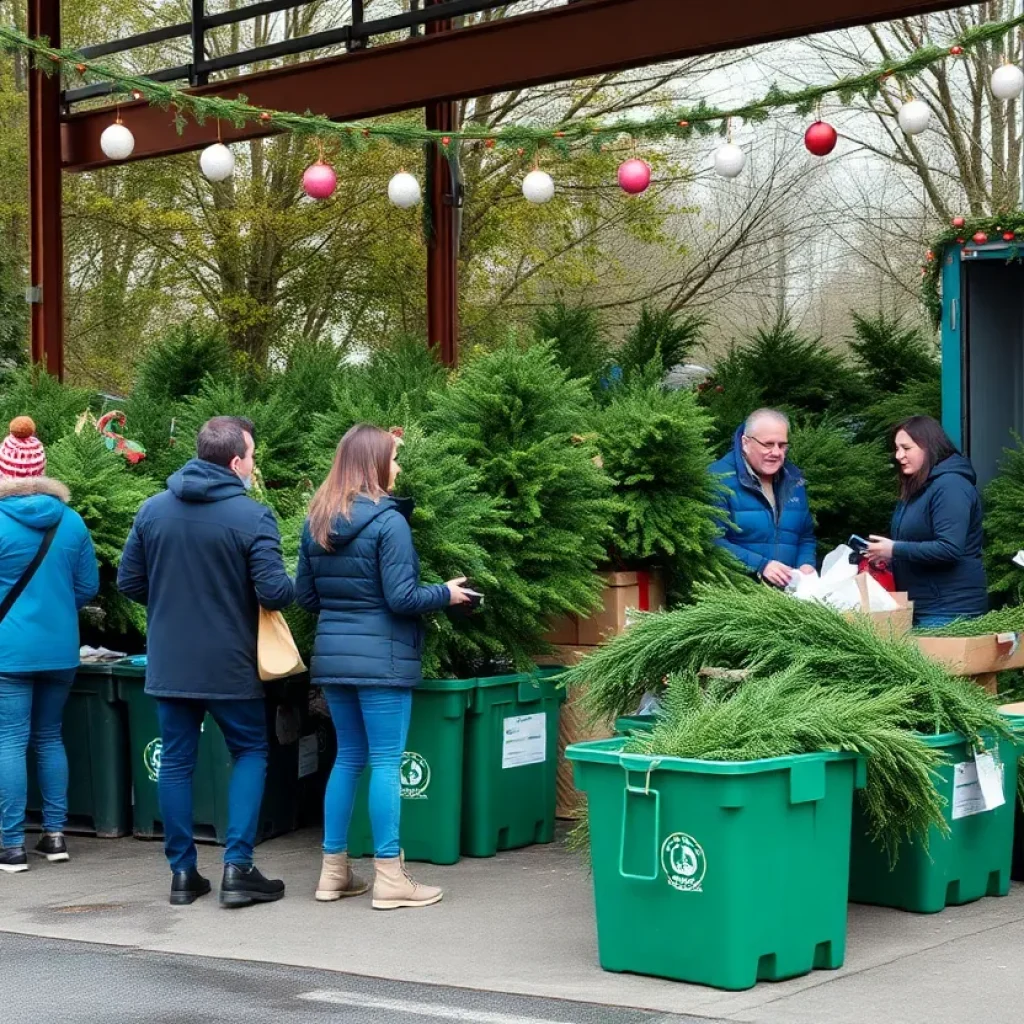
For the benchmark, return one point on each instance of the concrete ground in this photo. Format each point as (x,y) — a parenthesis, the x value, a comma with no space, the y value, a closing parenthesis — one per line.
(521,924)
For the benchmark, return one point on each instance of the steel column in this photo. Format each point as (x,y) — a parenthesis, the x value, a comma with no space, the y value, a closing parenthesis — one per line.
(46,235)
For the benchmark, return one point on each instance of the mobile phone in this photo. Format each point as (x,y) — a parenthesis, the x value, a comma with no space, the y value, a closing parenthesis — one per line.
(859,544)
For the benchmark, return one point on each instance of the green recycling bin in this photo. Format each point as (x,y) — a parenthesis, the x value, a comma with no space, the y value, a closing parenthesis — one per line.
(1016,717)
(511,762)
(718,873)
(431,776)
(626,724)
(279,812)
(972,861)
(96,740)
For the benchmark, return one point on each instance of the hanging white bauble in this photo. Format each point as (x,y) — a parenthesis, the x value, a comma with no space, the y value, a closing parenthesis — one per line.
(1007,82)
(217,162)
(538,187)
(117,142)
(729,160)
(914,117)
(404,190)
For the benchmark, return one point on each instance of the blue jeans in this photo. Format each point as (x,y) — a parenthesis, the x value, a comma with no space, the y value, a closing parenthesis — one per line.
(935,621)
(31,712)
(244,725)
(371,723)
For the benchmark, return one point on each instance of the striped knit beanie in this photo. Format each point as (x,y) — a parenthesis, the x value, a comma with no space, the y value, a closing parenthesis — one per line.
(22,453)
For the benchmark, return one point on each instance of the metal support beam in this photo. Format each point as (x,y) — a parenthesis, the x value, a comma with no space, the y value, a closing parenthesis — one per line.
(445,195)
(573,41)
(46,236)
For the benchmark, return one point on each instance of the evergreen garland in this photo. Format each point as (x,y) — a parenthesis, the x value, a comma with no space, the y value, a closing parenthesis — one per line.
(513,415)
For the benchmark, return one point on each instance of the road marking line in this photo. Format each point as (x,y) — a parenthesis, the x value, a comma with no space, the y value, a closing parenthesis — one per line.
(437,1010)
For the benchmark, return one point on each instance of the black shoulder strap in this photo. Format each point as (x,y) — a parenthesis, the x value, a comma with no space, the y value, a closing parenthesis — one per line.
(30,570)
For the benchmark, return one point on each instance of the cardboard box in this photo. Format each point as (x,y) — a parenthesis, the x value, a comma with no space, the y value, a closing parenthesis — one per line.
(891,624)
(974,655)
(624,593)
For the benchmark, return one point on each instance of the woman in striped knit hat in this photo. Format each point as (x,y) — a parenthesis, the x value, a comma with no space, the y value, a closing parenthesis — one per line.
(47,572)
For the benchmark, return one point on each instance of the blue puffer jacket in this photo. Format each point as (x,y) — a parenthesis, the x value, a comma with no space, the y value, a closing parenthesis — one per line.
(40,633)
(368,596)
(937,544)
(749,527)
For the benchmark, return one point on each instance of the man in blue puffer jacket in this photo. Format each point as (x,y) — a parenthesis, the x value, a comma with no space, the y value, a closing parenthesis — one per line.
(766,522)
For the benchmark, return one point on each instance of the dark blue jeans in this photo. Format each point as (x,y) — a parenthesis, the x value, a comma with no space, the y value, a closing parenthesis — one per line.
(371,724)
(31,713)
(244,725)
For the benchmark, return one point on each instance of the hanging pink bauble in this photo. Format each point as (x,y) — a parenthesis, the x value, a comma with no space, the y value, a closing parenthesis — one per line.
(820,138)
(634,176)
(980,238)
(319,180)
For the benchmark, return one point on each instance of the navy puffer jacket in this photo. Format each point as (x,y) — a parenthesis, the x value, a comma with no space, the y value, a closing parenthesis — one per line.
(937,544)
(750,530)
(368,596)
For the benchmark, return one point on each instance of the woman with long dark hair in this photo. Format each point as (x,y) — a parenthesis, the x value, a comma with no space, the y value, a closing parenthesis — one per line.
(936,542)
(359,572)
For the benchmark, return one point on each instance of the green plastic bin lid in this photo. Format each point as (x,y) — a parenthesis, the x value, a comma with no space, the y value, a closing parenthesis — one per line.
(135,667)
(610,752)
(446,685)
(96,668)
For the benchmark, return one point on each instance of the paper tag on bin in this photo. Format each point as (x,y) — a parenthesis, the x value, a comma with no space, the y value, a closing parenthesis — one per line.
(990,778)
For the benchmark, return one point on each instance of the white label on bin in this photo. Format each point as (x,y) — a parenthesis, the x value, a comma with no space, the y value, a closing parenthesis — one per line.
(525,741)
(968,795)
(990,778)
(682,860)
(151,758)
(309,755)
(415,776)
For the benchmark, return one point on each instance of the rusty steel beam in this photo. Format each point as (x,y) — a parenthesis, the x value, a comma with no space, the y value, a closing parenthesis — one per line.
(573,41)
(46,240)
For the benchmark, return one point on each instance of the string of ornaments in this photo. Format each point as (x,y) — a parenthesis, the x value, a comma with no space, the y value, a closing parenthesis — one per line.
(538,187)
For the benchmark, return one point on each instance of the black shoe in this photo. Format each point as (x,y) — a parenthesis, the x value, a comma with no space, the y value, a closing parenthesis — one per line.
(13,860)
(187,887)
(53,847)
(242,886)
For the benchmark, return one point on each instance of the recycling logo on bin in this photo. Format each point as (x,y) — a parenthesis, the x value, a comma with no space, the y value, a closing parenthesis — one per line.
(151,758)
(682,860)
(415,775)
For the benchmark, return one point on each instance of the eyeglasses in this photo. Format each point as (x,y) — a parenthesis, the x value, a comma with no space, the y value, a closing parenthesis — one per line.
(783,446)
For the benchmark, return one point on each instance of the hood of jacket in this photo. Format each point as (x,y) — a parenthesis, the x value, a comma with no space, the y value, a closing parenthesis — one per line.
(361,513)
(37,502)
(205,481)
(956,465)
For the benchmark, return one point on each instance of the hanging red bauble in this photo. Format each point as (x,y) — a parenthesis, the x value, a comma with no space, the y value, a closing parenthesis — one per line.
(980,238)
(446,141)
(684,124)
(80,68)
(265,116)
(319,180)
(956,51)
(959,241)
(959,222)
(929,255)
(634,176)
(489,143)
(1008,236)
(820,138)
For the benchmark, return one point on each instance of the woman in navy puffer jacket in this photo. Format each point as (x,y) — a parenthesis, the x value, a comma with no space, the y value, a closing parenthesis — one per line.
(358,570)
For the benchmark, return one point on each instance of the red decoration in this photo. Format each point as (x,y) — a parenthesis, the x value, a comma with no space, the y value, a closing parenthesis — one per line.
(980,238)
(131,450)
(929,255)
(265,116)
(956,51)
(80,68)
(684,124)
(820,138)
(1008,236)
(559,135)
(959,241)
(489,143)
(959,222)
(634,176)
(319,180)
(446,141)
(520,151)
(136,95)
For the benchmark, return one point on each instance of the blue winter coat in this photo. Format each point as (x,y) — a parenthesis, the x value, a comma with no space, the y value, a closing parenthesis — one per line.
(750,529)
(40,632)
(203,557)
(937,544)
(368,596)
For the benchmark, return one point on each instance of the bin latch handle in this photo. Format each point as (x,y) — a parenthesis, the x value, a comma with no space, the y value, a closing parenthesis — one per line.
(646,791)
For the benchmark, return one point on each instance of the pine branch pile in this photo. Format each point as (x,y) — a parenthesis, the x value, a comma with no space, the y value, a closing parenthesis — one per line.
(844,667)
(1003,620)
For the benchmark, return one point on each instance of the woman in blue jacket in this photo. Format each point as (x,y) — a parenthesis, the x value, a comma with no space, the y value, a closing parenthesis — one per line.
(39,644)
(935,549)
(358,570)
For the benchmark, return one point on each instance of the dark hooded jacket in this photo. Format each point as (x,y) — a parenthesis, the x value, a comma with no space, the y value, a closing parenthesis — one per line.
(368,596)
(203,557)
(937,543)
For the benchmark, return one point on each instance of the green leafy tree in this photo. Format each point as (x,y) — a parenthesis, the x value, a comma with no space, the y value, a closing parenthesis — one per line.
(665,335)
(892,353)
(515,417)
(580,345)
(55,408)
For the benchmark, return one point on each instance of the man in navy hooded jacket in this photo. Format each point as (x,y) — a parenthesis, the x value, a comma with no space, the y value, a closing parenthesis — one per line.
(203,557)
(766,522)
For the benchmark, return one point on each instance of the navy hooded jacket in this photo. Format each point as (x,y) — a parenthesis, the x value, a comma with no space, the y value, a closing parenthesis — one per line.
(937,544)
(40,632)
(203,557)
(368,596)
(751,531)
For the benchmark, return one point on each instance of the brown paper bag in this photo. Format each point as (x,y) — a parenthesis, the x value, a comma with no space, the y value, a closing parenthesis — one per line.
(276,653)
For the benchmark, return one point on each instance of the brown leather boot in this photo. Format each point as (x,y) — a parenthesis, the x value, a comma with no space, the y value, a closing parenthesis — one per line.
(394,887)
(337,879)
